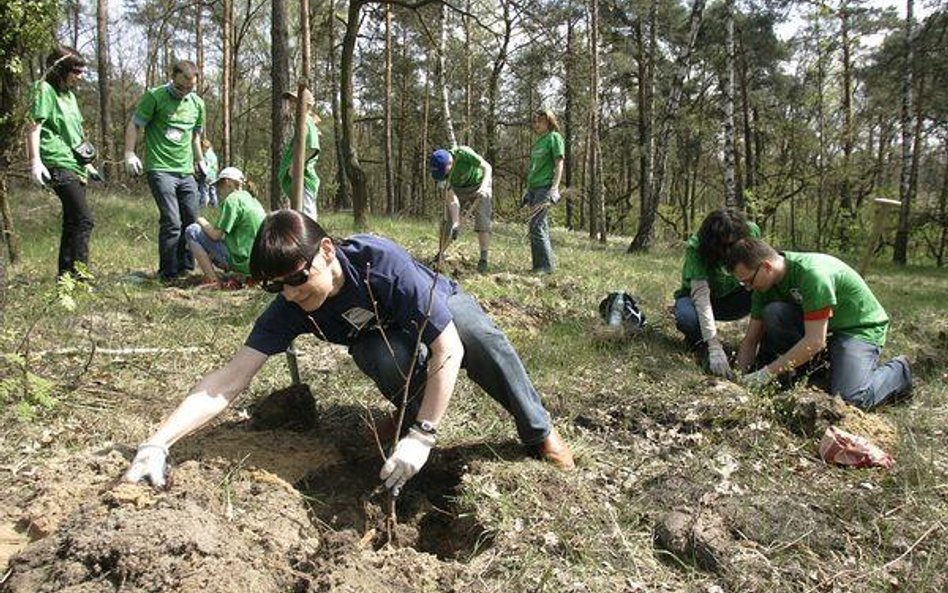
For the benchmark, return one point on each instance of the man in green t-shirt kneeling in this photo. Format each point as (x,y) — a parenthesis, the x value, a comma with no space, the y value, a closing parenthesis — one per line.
(804,303)
(227,243)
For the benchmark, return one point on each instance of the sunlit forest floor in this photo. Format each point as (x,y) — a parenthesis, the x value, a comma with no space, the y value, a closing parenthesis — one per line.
(684,483)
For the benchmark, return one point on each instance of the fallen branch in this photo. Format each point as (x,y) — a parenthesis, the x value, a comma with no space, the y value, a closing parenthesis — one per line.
(116,351)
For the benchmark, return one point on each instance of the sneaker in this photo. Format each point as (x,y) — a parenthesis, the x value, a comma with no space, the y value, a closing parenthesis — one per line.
(555,450)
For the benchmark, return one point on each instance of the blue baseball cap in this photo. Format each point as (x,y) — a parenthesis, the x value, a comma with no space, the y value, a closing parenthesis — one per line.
(439,161)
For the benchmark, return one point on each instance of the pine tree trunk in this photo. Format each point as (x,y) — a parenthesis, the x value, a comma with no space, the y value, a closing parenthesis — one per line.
(443,78)
(906,181)
(644,234)
(389,158)
(354,171)
(105,102)
(730,178)
(226,79)
(341,199)
(594,188)
(279,80)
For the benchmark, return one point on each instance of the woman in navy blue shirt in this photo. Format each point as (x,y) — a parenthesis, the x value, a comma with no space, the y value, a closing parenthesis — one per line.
(370,295)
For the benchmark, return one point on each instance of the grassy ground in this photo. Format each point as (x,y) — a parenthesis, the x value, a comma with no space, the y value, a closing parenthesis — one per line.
(653,434)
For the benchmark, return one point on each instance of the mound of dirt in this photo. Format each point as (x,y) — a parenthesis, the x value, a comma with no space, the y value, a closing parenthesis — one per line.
(221,527)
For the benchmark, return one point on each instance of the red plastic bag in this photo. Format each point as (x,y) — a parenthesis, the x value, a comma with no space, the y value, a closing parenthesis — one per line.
(843,448)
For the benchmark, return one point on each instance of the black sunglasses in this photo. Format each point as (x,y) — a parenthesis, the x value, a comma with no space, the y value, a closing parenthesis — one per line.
(295,279)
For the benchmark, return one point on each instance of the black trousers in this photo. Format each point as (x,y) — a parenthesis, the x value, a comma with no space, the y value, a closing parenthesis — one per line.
(77,219)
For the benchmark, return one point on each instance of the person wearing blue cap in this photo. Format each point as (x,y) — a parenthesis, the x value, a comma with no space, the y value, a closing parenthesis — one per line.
(467,177)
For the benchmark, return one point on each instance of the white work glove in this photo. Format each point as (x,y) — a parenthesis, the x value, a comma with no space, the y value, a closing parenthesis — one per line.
(93,173)
(757,379)
(39,174)
(410,455)
(133,166)
(149,463)
(717,359)
(554,195)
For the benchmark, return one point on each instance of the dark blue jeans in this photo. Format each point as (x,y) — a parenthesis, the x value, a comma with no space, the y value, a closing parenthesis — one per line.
(730,307)
(489,360)
(541,251)
(176,196)
(855,374)
(77,219)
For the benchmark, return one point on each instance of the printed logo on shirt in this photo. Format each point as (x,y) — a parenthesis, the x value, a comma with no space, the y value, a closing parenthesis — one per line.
(796,296)
(359,318)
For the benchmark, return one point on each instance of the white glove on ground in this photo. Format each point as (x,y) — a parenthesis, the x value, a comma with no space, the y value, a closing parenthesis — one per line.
(757,379)
(133,166)
(717,359)
(410,455)
(149,463)
(39,174)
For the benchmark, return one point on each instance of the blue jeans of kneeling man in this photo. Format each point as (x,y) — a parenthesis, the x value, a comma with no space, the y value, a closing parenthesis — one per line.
(854,372)
(730,307)
(489,359)
(214,249)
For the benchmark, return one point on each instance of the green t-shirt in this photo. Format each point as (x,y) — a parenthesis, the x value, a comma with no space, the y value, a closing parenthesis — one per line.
(466,170)
(719,280)
(543,155)
(823,285)
(61,126)
(310,179)
(241,217)
(170,124)
(210,159)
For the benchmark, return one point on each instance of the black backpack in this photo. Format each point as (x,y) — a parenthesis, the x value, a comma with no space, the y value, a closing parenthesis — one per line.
(620,309)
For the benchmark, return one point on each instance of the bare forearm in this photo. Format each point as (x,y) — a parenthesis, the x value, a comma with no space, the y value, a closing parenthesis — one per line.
(131,136)
(33,143)
(443,368)
(801,353)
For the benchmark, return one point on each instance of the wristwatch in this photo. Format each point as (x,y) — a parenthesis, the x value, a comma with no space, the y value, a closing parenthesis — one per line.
(426,427)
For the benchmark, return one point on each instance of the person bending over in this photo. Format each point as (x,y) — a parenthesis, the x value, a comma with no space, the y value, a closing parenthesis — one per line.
(369,294)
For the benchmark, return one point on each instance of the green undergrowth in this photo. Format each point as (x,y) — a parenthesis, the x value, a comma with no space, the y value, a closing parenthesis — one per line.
(651,431)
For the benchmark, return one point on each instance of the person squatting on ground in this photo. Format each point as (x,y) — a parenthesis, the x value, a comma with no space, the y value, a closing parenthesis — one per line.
(369,294)
(708,291)
(55,131)
(207,191)
(172,117)
(543,186)
(467,181)
(226,244)
(804,303)
(311,148)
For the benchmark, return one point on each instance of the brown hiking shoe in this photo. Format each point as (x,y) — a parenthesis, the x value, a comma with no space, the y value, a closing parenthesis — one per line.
(555,450)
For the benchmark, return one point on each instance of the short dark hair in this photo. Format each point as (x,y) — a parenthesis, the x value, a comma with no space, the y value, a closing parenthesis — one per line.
(750,252)
(285,240)
(720,229)
(186,67)
(59,63)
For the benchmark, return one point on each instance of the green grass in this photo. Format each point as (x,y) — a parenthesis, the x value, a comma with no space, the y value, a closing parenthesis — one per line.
(650,429)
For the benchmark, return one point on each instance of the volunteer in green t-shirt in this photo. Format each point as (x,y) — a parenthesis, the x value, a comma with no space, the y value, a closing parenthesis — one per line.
(311,147)
(708,292)
(804,303)
(543,186)
(227,243)
(172,118)
(206,190)
(466,178)
(56,129)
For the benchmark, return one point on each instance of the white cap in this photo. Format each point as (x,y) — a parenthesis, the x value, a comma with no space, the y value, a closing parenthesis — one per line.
(232,173)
